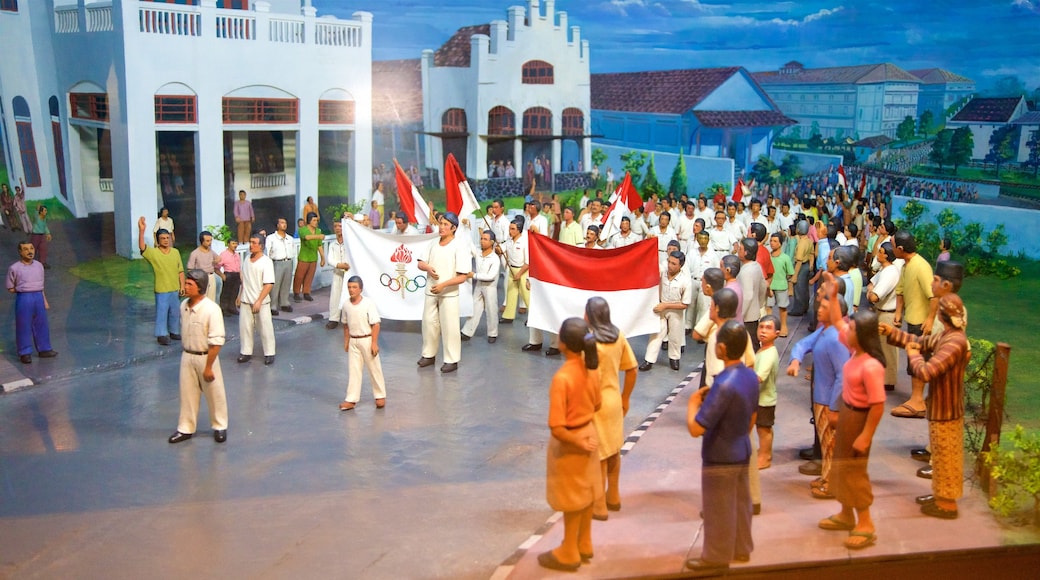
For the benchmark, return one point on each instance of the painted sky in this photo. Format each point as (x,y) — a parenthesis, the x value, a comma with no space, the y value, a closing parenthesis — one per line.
(982,39)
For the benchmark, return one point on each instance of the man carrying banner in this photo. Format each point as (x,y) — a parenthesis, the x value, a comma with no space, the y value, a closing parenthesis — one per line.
(445,257)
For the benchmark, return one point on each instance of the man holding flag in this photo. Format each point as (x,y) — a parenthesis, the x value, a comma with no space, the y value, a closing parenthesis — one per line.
(447,265)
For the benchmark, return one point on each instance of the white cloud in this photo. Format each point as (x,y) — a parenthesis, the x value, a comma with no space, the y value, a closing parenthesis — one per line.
(822,14)
(741,20)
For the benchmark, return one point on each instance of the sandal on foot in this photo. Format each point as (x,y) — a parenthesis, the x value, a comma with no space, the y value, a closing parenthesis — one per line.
(869,539)
(905,411)
(548,560)
(834,524)
(821,492)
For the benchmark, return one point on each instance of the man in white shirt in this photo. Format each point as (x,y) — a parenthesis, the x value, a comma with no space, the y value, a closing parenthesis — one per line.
(733,223)
(624,237)
(517,262)
(703,211)
(722,239)
(485,288)
(684,229)
(336,256)
(280,248)
(499,220)
(254,299)
(594,216)
(675,296)
(535,220)
(446,265)
(700,258)
(361,324)
(756,215)
(663,233)
(640,225)
(401,227)
(881,292)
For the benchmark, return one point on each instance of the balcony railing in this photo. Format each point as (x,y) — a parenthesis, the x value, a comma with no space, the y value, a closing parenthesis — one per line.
(187,20)
(106,184)
(266,180)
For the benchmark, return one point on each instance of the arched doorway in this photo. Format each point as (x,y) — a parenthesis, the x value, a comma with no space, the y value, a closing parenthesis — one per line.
(537,153)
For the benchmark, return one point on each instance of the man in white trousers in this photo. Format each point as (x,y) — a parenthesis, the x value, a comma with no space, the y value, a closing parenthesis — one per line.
(675,298)
(485,288)
(361,320)
(447,264)
(254,300)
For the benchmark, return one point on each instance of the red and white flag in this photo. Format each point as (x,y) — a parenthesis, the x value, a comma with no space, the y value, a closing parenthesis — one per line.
(844,183)
(460,198)
(563,278)
(412,203)
(623,201)
(740,190)
(862,187)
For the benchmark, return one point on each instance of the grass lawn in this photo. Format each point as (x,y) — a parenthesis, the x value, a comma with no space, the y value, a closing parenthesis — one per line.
(131,277)
(1003,311)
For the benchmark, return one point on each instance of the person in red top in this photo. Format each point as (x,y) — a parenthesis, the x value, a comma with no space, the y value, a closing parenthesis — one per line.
(572,478)
(862,405)
(764,259)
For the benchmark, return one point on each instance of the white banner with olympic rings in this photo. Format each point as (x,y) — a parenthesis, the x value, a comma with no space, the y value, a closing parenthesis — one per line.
(388,264)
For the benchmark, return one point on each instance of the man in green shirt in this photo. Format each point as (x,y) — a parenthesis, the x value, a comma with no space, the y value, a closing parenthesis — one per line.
(169,283)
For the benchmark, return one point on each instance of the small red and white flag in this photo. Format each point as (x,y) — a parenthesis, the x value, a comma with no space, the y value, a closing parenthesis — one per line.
(862,187)
(460,198)
(623,201)
(563,278)
(842,181)
(740,190)
(412,203)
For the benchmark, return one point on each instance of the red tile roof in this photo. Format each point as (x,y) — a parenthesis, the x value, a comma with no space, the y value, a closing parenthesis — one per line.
(860,74)
(721,119)
(938,76)
(456,51)
(397,92)
(988,110)
(672,91)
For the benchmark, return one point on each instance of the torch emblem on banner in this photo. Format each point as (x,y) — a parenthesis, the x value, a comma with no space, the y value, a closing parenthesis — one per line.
(399,281)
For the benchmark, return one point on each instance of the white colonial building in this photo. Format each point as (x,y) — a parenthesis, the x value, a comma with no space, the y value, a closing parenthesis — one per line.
(127,105)
(511,92)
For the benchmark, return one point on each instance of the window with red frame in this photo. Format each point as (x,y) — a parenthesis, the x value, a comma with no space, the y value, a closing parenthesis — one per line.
(89,106)
(538,121)
(260,110)
(9,5)
(501,122)
(26,142)
(573,122)
(336,112)
(537,72)
(454,121)
(175,109)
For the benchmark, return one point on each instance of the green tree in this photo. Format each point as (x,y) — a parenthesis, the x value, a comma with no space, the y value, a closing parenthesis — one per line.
(1034,152)
(791,167)
(940,152)
(815,142)
(650,183)
(839,135)
(814,129)
(678,183)
(962,143)
(632,162)
(796,133)
(906,129)
(1003,145)
(924,124)
(765,170)
(598,157)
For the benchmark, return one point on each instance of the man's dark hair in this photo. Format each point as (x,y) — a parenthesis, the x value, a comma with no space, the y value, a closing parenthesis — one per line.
(203,234)
(491,234)
(832,231)
(758,231)
(845,257)
(906,240)
(678,255)
(357,280)
(734,336)
(726,303)
(853,229)
(715,278)
(750,248)
(731,264)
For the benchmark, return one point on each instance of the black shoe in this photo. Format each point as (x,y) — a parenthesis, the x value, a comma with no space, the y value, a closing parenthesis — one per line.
(244,358)
(178,437)
(756,508)
(175,336)
(220,435)
(492,339)
(308,298)
(674,363)
(548,560)
(552,352)
(425,361)
(925,472)
(702,568)
(49,354)
(269,360)
(920,454)
(647,365)
(505,320)
(682,350)
(889,388)
(274,313)
(933,509)
(812,467)
(287,308)
(449,367)
(163,340)
(297,298)
(331,324)
(923,499)
(26,359)
(531,347)
(465,337)
(805,454)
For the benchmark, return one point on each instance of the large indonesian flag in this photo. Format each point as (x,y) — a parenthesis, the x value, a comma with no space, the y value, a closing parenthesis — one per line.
(389,266)
(458,194)
(563,278)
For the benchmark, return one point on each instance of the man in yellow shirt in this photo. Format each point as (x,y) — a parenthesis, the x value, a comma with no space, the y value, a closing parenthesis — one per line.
(914,305)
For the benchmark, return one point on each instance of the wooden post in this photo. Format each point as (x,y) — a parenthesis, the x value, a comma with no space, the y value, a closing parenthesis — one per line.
(995,419)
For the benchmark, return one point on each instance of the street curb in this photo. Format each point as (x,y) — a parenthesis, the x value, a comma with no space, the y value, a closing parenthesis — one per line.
(16,385)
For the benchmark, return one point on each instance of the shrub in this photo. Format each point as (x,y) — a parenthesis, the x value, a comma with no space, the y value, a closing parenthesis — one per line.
(1016,469)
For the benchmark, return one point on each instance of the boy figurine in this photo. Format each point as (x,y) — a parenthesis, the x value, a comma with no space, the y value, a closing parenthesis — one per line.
(767,366)
(724,414)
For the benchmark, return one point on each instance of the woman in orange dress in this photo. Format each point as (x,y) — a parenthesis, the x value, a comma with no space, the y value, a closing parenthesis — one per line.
(572,475)
(615,355)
